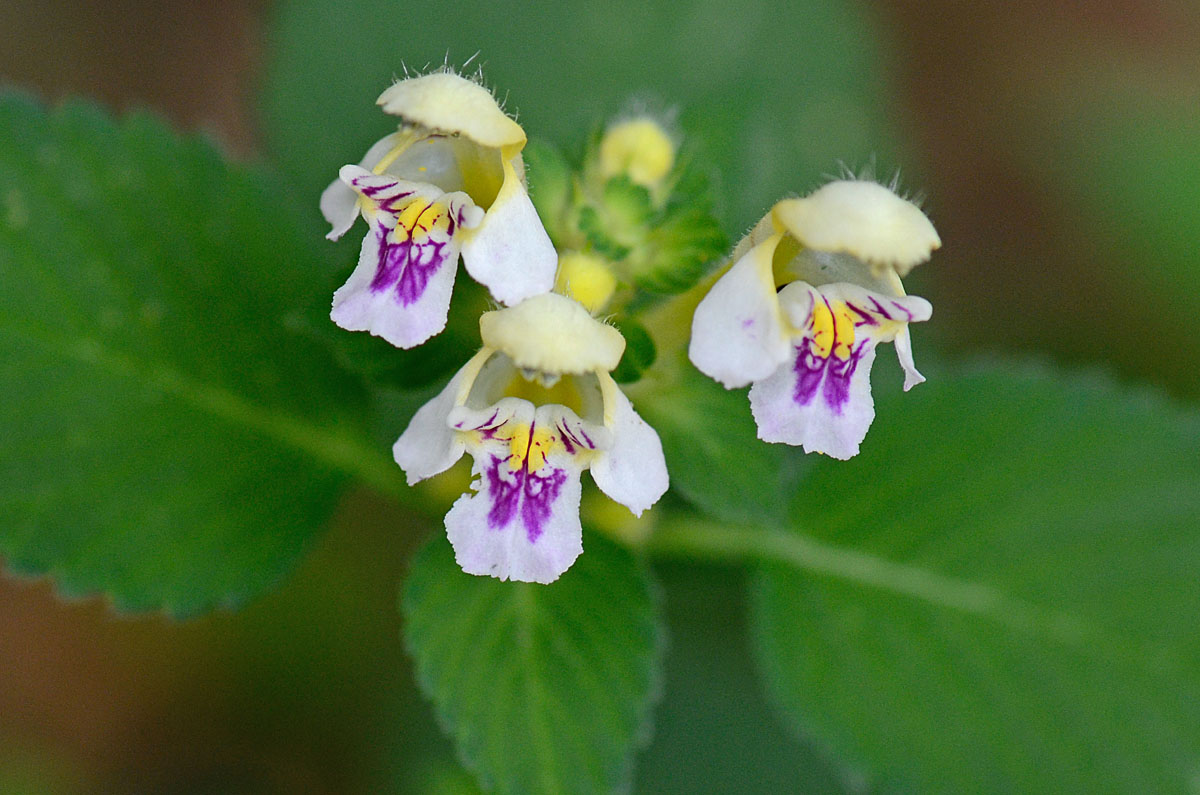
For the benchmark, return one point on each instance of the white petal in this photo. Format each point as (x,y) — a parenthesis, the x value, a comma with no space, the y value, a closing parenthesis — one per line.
(737,332)
(632,470)
(830,416)
(904,353)
(339,202)
(518,526)
(510,252)
(429,445)
(404,310)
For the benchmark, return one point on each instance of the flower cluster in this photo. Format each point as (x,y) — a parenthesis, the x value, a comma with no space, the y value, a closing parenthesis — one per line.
(812,290)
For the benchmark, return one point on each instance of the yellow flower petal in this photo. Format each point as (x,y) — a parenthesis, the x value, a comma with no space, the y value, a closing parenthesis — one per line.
(452,104)
(863,219)
(552,334)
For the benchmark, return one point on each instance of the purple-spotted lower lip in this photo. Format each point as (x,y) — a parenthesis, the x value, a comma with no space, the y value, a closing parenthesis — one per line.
(813,371)
(406,266)
(522,496)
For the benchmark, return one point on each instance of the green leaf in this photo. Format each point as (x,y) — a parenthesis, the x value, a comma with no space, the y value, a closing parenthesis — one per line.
(713,453)
(999,593)
(168,441)
(715,731)
(544,688)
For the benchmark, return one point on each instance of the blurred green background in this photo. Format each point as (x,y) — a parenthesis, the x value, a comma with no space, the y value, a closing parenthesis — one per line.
(1058,146)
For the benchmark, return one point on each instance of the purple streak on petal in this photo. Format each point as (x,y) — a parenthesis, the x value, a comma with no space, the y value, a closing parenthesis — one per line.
(839,373)
(530,495)
(867,320)
(506,493)
(372,187)
(879,308)
(835,374)
(574,438)
(387,269)
(406,266)
(423,261)
(810,369)
(487,428)
(903,309)
(541,490)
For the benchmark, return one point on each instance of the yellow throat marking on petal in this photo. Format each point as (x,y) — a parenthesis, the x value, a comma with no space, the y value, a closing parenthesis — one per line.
(528,447)
(832,329)
(420,220)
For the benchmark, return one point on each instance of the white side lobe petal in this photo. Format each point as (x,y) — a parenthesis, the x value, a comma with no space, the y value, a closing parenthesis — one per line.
(632,470)
(904,353)
(429,445)
(339,202)
(737,331)
(510,252)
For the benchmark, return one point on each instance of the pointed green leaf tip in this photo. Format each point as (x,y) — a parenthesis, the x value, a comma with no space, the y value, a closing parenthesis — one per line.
(167,442)
(998,594)
(544,688)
